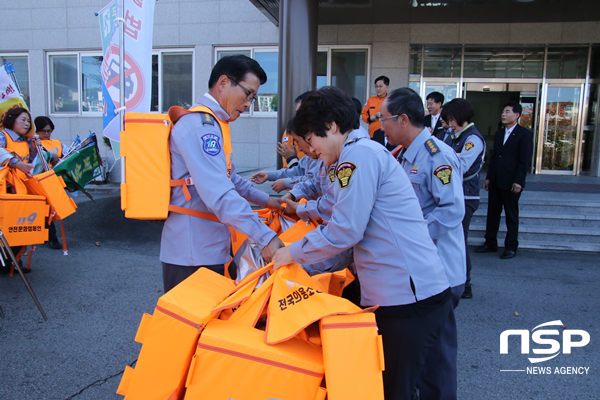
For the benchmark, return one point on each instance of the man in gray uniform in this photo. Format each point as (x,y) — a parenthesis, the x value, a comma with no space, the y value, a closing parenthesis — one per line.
(198,153)
(434,172)
(377,214)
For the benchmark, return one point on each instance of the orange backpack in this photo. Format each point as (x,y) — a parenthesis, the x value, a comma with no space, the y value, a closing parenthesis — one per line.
(146,164)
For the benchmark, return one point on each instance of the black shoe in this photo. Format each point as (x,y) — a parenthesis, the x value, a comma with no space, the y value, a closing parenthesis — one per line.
(4,270)
(468,293)
(54,244)
(508,254)
(486,249)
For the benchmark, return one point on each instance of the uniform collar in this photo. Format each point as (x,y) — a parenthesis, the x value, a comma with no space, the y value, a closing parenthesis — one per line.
(208,101)
(15,136)
(355,135)
(411,153)
(457,135)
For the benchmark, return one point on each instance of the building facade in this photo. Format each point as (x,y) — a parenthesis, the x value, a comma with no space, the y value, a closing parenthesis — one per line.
(552,67)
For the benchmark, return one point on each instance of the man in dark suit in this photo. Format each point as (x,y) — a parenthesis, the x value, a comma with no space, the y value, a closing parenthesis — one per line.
(509,164)
(433,120)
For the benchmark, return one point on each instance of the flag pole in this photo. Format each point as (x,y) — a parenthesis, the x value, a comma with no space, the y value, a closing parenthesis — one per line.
(122,78)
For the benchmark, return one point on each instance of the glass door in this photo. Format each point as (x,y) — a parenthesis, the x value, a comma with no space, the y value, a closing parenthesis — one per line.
(561,128)
(450,89)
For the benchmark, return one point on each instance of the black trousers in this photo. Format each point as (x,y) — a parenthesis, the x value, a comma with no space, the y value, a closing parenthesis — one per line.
(406,342)
(497,199)
(438,380)
(379,137)
(470,207)
(175,274)
(51,232)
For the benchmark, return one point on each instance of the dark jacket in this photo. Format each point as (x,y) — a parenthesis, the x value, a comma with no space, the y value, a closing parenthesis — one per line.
(438,130)
(511,162)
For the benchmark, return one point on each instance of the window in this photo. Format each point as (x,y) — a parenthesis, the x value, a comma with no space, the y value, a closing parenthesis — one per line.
(268,58)
(504,62)
(345,67)
(443,61)
(567,63)
(172,80)
(75,83)
(21,67)
(341,66)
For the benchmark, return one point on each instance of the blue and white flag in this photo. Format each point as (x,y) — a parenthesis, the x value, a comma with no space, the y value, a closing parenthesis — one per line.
(138,27)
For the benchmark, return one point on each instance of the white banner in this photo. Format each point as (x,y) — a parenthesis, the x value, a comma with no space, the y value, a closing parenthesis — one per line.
(138,26)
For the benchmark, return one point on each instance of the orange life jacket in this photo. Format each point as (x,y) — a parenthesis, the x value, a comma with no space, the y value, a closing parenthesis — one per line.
(19,148)
(54,146)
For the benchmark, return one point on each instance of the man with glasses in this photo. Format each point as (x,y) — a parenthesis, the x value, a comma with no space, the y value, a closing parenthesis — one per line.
(214,196)
(371,110)
(433,120)
(434,172)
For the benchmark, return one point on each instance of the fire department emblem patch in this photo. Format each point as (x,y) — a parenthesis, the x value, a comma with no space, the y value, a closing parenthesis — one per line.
(344,173)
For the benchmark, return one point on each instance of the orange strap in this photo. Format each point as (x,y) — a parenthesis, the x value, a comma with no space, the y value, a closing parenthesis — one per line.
(184,183)
(62,228)
(176,112)
(193,213)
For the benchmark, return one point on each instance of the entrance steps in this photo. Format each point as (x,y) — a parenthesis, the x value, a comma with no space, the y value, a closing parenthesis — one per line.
(547,222)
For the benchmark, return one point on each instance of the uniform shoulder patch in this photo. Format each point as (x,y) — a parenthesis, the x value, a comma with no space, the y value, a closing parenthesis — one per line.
(444,174)
(331,173)
(431,147)
(207,119)
(210,144)
(286,139)
(344,173)
(469,145)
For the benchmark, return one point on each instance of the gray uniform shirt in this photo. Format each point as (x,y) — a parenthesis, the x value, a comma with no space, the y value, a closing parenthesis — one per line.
(319,190)
(377,213)
(196,147)
(307,168)
(434,171)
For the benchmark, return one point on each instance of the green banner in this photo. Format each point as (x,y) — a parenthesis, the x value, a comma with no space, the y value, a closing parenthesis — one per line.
(80,168)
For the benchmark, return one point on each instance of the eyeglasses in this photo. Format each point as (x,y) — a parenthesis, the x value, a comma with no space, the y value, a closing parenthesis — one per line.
(249,96)
(382,120)
(46,130)
(379,86)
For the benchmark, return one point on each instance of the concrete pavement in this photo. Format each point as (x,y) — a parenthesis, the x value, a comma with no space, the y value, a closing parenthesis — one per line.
(95,298)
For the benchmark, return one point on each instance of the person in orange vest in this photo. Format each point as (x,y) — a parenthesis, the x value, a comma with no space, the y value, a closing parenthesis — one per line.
(371,111)
(17,123)
(44,128)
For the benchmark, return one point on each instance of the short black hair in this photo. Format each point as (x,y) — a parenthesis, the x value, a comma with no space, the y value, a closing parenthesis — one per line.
(11,116)
(236,67)
(302,97)
(407,101)
(41,122)
(436,96)
(290,127)
(385,79)
(516,107)
(459,110)
(324,106)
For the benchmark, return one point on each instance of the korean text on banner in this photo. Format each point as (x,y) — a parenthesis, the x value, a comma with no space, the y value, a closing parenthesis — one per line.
(9,94)
(138,26)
